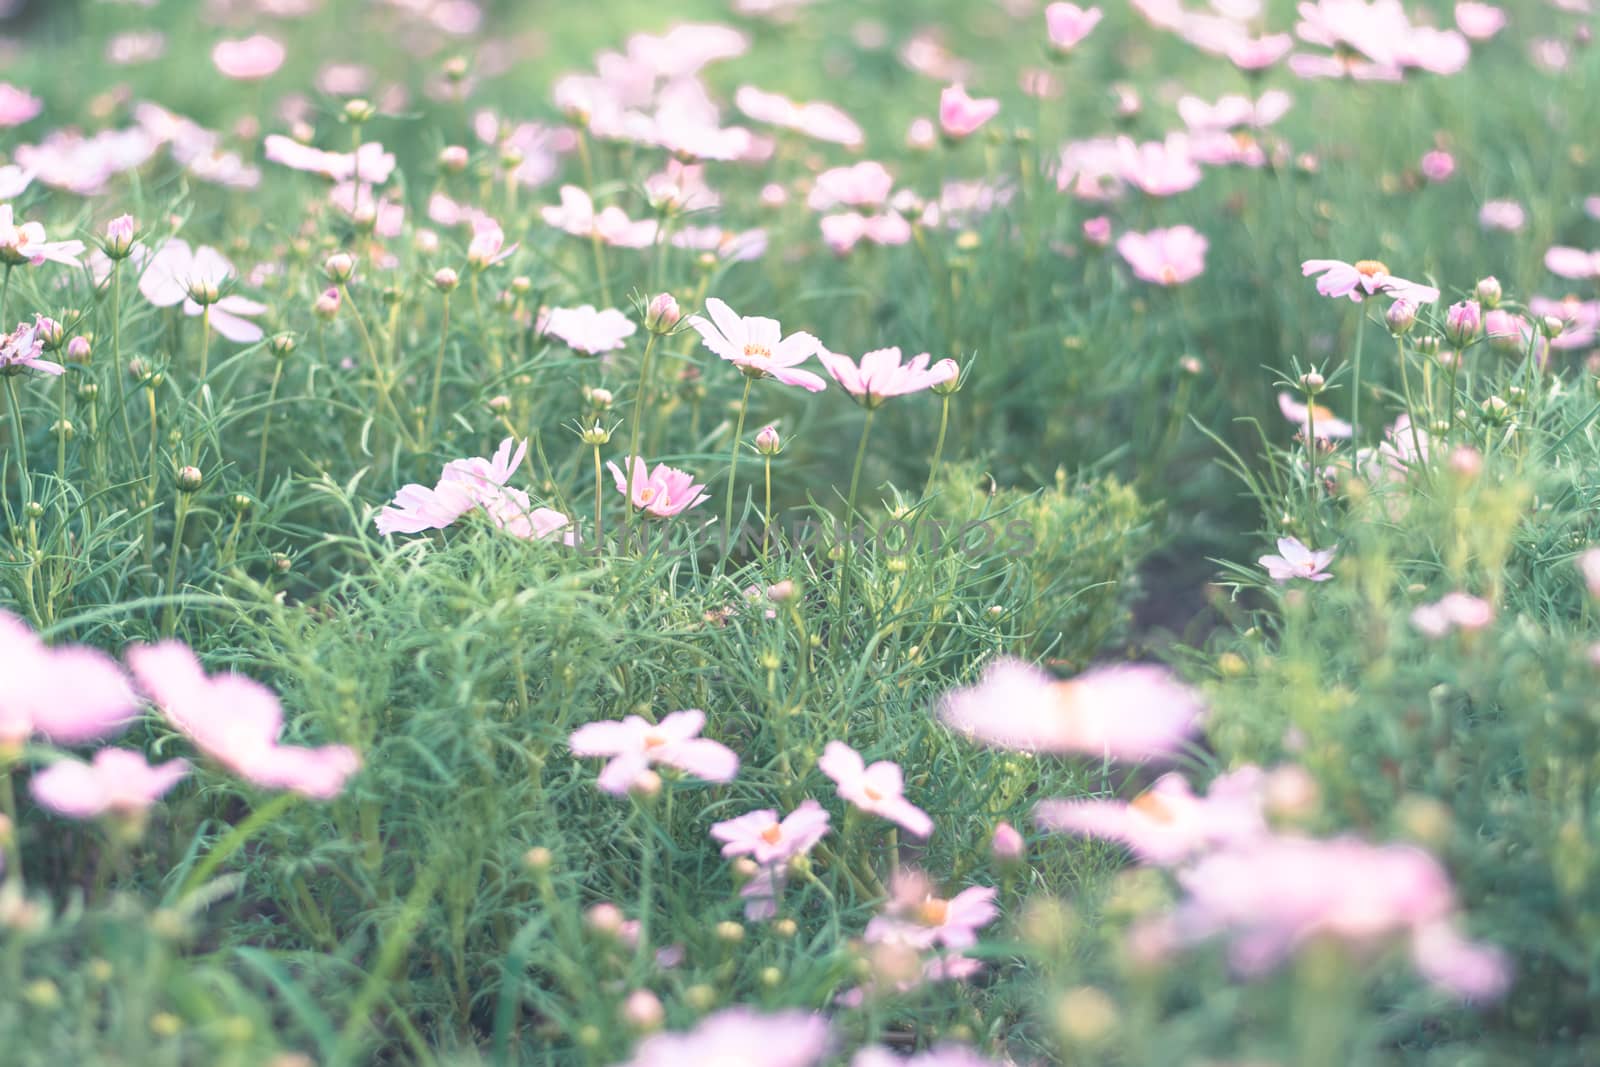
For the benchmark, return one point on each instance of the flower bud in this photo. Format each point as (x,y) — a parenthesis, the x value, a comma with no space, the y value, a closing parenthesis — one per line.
(1191,366)
(1462,322)
(785,928)
(596,435)
(454,158)
(663,314)
(455,69)
(282,345)
(601,398)
(50,333)
(79,350)
(426,242)
(700,997)
(646,786)
(642,1010)
(781,591)
(359,110)
(1312,382)
(445,280)
(604,919)
(1487,292)
(1466,462)
(499,404)
(240,503)
(203,292)
(767,441)
(1401,316)
(538,859)
(119,237)
(62,428)
(1552,326)
(1495,409)
(327,305)
(729,932)
(1428,344)
(1007,845)
(339,267)
(190,479)
(952,384)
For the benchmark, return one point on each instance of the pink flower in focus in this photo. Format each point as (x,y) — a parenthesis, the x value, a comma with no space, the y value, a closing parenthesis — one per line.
(1479,21)
(23,349)
(877,789)
(756,346)
(739,1037)
(179,274)
(881,374)
(768,840)
(236,721)
(474,483)
(1165,257)
(250,59)
(17,105)
(117,782)
(1364,278)
(915,916)
(583,329)
(24,243)
(1453,611)
(960,115)
(1124,711)
(67,695)
(1295,560)
(1068,24)
(1505,215)
(635,744)
(1168,824)
(662,492)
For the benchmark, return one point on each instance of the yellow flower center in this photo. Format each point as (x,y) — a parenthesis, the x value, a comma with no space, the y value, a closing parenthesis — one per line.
(1371,267)
(873,794)
(646,495)
(653,740)
(1169,276)
(772,834)
(755,351)
(1153,807)
(933,911)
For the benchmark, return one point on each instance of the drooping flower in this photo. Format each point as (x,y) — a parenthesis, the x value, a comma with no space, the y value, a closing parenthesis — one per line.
(1321,420)
(1123,711)
(881,374)
(1165,257)
(756,346)
(1295,560)
(194,277)
(742,1037)
(249,59)
(24,242)
(635,744)
(23,349)
(67,695)
(768,840)
(915,915)
(116,782)
(237,722)
(961,115)
(878,789)
(1068,24)
(662,492)
(1364,278)
(1168,823)
(584,329)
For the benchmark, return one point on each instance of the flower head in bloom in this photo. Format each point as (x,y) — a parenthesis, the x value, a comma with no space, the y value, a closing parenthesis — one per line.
(881,374)
(236,721)
(1167,823)
(577,216)
(961,115)
(67,695)
(916,916)
(17,105)
(1069,24)
(1505,215)
(1479,22)
(1295,560)
(1320,420)
(756,345)
(23,349)
(1364,278)
(1158,168)
(1452,612)
(1574,263)
(1165,257)
(818,120)
(250,59)
(368,163)
(194,277)
(1125,711)
(1258,53)
(765,838)
(474,483)
(24,243)
(878,789)
(116,782)
(739,1037)
(583,329)
(635,744)
(662,492)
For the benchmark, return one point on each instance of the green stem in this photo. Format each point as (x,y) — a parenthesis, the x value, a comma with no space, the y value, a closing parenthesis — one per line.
(1355,389)
(938,447)
(855,474)
(766,507)
(438,364)
(205,342)
(117,369)
(599,529)
(180,516)
(61,433)
(638,418)
(733,460)
(266,427)
(21,436)
(235,840)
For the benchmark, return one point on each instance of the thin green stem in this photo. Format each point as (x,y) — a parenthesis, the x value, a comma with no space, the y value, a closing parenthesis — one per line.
(1355,387)
(235,840)
(599,528)
(638,416)
(938,447)
(733,460)
(169,614)
(21,437)
(855,474)
(266,427)
(438,365)
(766,507)
(205,342)
(117,369)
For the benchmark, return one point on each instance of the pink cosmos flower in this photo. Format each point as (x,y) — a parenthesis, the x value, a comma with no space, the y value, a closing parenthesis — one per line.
(1259,53)
(1479,21)
(1580,319)
(768,840)
(1321,420)
(1165,257)
(1233,110)
(739,1036)
(1453,611)
(1168,824)
(488,244)
(1364,278)
(17,105)
(24,243)
(1123,711)
(117,782)
(1502,215)
(583,329)
(577,216)
(474,483)
(250,59)
(1097,231)
(1566,262)
(635,744)
(842,232)
(369,163)
(662,492)
(961,115)
(1068,24)
(878,789)
(67,695)
(1158,168)
(23,349)
(236,721)
(881,374)
(941,1055)
(865,184)
(756,346)
(817,120)
(1438,165)
(915,916)
(1295,560)
(178,273)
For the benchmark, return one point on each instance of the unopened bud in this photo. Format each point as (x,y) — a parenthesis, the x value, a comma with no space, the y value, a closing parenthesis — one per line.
(605,919)
(120,233)
(952,383)
(1007,845)
(538,859)
(327,305)
(454,158)
(642,1010)
(446,279)
(79,350)
(499,404)
(601,398)
(49,333)
(190,479)
(1401,316)
(768,442)
(282,345)
(1552,326)
(359,110)
(1487,292)
(1312,382)
(1462,322)
(663,314)
(729,932)
(596,435)
(339,267)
